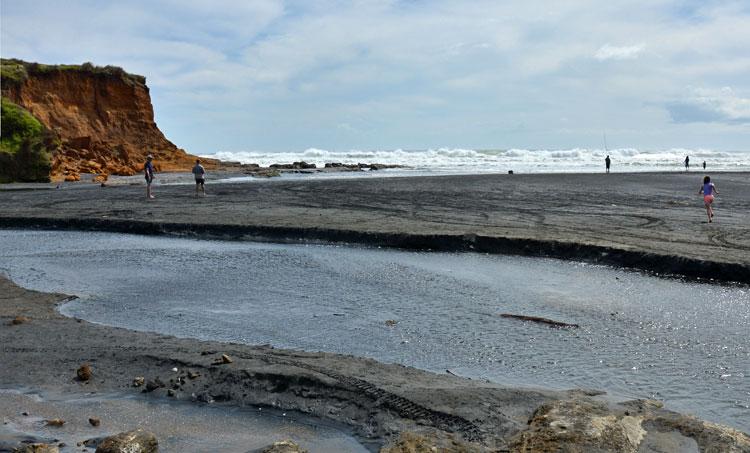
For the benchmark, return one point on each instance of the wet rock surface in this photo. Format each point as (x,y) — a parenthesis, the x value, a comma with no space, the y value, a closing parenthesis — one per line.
(137,441)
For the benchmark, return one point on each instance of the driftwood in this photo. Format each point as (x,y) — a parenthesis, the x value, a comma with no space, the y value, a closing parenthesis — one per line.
(549,322)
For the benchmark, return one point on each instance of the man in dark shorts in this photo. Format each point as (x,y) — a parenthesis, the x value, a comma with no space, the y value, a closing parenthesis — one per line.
(148,170)
(200,177)
(607,162)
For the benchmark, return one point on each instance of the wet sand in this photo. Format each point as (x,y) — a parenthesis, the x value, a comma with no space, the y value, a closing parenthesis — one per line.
(652,221)
(376,401)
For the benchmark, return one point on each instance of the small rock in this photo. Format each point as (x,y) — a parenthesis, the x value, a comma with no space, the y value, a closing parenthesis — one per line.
(19,320)
(224,359)
(193,374)
(139,381)
(284,446)
(154,384)
(174,369)
(84,372)
(138,441)
(25,414)
(55,422)
(391,322)
(95,421)
(170,392)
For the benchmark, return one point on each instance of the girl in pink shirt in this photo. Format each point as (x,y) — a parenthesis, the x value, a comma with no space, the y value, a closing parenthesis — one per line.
(708,190)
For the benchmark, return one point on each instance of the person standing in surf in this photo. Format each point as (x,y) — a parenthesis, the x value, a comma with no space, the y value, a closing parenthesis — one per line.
(607,161)
(708,190)
(687,163)
(148,170)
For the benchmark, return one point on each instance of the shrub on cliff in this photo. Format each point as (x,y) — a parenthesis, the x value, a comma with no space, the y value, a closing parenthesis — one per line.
(15,71)
(24,146)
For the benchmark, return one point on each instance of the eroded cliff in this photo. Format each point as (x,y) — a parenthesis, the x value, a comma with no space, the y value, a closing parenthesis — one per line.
(102,116)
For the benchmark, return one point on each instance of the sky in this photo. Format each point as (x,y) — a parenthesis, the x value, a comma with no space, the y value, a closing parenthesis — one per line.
(412,74)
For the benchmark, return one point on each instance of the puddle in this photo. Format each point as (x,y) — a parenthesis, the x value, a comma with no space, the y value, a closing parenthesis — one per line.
(178,426)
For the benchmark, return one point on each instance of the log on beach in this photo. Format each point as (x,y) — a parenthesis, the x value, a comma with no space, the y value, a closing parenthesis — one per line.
(538,320)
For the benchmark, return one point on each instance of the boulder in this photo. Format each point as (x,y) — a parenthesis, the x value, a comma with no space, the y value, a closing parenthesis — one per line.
(137,441)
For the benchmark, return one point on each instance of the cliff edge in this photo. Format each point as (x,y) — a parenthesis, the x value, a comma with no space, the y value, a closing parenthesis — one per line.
(101,118)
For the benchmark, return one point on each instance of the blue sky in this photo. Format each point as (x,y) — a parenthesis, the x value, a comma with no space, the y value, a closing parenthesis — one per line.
(288,75)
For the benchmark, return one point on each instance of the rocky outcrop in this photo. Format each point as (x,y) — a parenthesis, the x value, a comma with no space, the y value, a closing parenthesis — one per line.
(102,116)
(639,425)
(138,441)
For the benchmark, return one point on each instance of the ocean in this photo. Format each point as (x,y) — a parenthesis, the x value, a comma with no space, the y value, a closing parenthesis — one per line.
(471,161)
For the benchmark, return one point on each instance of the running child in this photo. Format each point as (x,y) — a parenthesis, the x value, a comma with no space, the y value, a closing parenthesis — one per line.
(708,190)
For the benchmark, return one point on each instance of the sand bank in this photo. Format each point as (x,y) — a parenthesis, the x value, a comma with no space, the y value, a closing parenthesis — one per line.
(653,222)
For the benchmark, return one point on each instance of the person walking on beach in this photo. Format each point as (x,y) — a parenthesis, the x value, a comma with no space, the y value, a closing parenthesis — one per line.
(708,190)
(200,178)
(607,161)
(148,169)
(687,163)
(704,164)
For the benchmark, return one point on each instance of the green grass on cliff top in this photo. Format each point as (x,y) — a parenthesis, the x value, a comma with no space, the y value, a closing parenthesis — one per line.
(25,150)
(17,125)
(14,71)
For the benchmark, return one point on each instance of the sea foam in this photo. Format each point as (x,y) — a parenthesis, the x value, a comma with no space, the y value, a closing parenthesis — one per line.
(446,160)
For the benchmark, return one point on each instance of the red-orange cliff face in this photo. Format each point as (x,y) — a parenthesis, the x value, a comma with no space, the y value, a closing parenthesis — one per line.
(103,117)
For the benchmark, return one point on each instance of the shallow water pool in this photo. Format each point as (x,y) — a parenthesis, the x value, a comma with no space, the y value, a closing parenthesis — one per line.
(640,336)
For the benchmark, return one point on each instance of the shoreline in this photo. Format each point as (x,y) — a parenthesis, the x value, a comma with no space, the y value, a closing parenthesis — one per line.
(377,401)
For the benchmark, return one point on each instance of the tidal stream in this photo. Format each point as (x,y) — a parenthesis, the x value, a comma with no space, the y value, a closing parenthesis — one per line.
(640,336)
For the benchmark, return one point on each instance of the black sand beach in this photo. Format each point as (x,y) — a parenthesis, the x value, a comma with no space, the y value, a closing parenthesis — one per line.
(653,221)
(648,221)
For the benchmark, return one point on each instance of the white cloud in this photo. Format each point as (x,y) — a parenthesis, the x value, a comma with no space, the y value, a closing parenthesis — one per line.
(609,52)
(402,68)
(711,105)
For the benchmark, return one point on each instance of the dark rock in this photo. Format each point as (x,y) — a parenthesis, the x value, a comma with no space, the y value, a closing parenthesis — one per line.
(55,422)
(84,372)
(154,384)
(95,421)
(138,441)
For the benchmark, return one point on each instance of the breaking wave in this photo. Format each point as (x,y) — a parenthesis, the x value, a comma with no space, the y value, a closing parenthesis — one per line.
(501,160)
